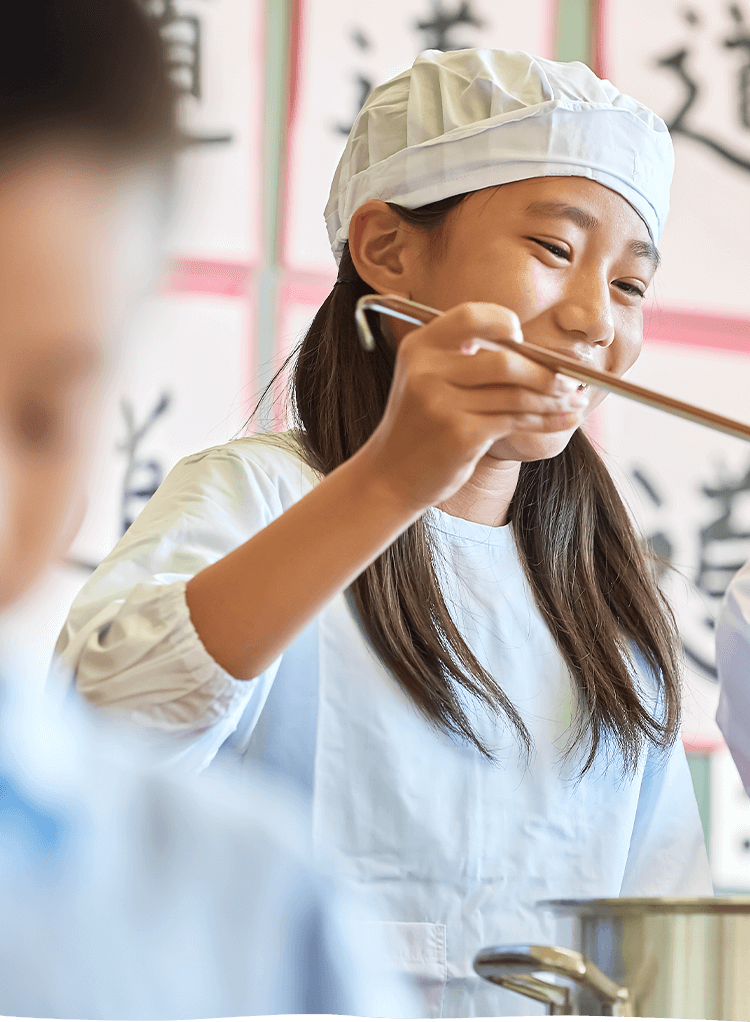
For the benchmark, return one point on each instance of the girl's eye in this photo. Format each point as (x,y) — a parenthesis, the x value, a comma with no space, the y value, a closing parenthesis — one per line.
(555,250)
(630,289)
(561,253)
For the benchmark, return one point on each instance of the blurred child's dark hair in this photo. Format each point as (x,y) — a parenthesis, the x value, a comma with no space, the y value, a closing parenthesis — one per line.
(93,71)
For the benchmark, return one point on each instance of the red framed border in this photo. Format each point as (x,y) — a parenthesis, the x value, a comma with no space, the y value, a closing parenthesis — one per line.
(297,289)
(688,328)
(296,35)
(552,19)
(209,277)
(599,52)
(703,746)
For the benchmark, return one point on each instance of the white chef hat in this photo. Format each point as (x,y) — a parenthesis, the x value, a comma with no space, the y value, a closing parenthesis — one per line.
(470,119)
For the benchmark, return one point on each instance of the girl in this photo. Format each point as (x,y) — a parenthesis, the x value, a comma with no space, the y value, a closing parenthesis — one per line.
(426,603)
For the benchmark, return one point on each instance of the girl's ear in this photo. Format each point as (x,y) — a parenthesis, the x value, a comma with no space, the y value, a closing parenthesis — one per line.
(383,248)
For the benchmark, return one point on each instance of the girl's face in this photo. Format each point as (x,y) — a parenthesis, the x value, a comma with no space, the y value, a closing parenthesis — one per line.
(570,257)
(76,250)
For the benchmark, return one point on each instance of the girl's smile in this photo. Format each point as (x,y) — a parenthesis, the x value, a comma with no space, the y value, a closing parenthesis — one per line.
(569,256)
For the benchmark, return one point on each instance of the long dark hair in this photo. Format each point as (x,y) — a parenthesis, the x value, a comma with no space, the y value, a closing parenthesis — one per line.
(93,71)
(592,581)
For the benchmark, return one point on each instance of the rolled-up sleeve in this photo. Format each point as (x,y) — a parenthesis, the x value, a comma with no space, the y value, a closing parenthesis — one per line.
(129,642)
(733,667)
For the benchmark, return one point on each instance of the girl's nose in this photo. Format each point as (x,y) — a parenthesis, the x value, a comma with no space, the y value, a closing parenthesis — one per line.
(585,310)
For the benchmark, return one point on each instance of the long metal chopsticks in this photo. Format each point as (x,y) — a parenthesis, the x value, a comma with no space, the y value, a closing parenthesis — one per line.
(413,312)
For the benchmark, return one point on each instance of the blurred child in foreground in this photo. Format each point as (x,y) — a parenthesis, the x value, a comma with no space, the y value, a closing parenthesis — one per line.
(124,893)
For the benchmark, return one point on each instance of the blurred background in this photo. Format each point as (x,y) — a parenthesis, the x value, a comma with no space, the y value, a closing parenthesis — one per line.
(269,90)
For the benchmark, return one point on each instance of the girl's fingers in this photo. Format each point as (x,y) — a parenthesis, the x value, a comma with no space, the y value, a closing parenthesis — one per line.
(444,407)
(472,321)
(473,346)
(472,331)
(510,400)
(476,327)
(499,367)
(531,423)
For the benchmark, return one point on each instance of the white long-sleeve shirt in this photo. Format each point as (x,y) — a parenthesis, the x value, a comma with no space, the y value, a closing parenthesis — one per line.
(733,667)
(457,849)
(129,893)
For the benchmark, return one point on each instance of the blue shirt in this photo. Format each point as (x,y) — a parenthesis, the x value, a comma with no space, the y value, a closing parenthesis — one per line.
(126,893)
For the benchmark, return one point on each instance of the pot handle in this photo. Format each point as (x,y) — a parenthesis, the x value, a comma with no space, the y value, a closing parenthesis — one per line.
(512,967)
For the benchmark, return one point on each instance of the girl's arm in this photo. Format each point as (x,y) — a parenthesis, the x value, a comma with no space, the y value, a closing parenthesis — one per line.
(249,606)
(232,558)
(445,410)
(129,639)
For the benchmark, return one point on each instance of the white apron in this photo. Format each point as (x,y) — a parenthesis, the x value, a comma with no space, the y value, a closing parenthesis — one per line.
(455,850)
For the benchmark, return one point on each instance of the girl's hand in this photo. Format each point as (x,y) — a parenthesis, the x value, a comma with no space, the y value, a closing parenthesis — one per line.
(447,407)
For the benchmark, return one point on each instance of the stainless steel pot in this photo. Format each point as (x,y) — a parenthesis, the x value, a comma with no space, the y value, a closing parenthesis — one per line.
(637,957)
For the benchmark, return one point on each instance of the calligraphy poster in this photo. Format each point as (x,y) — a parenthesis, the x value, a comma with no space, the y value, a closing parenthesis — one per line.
(184,385)
(690,62)
(689,488)
(215,50)
(186,381)
(346,47)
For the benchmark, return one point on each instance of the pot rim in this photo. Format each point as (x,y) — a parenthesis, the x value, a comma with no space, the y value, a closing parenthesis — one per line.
(646,906)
